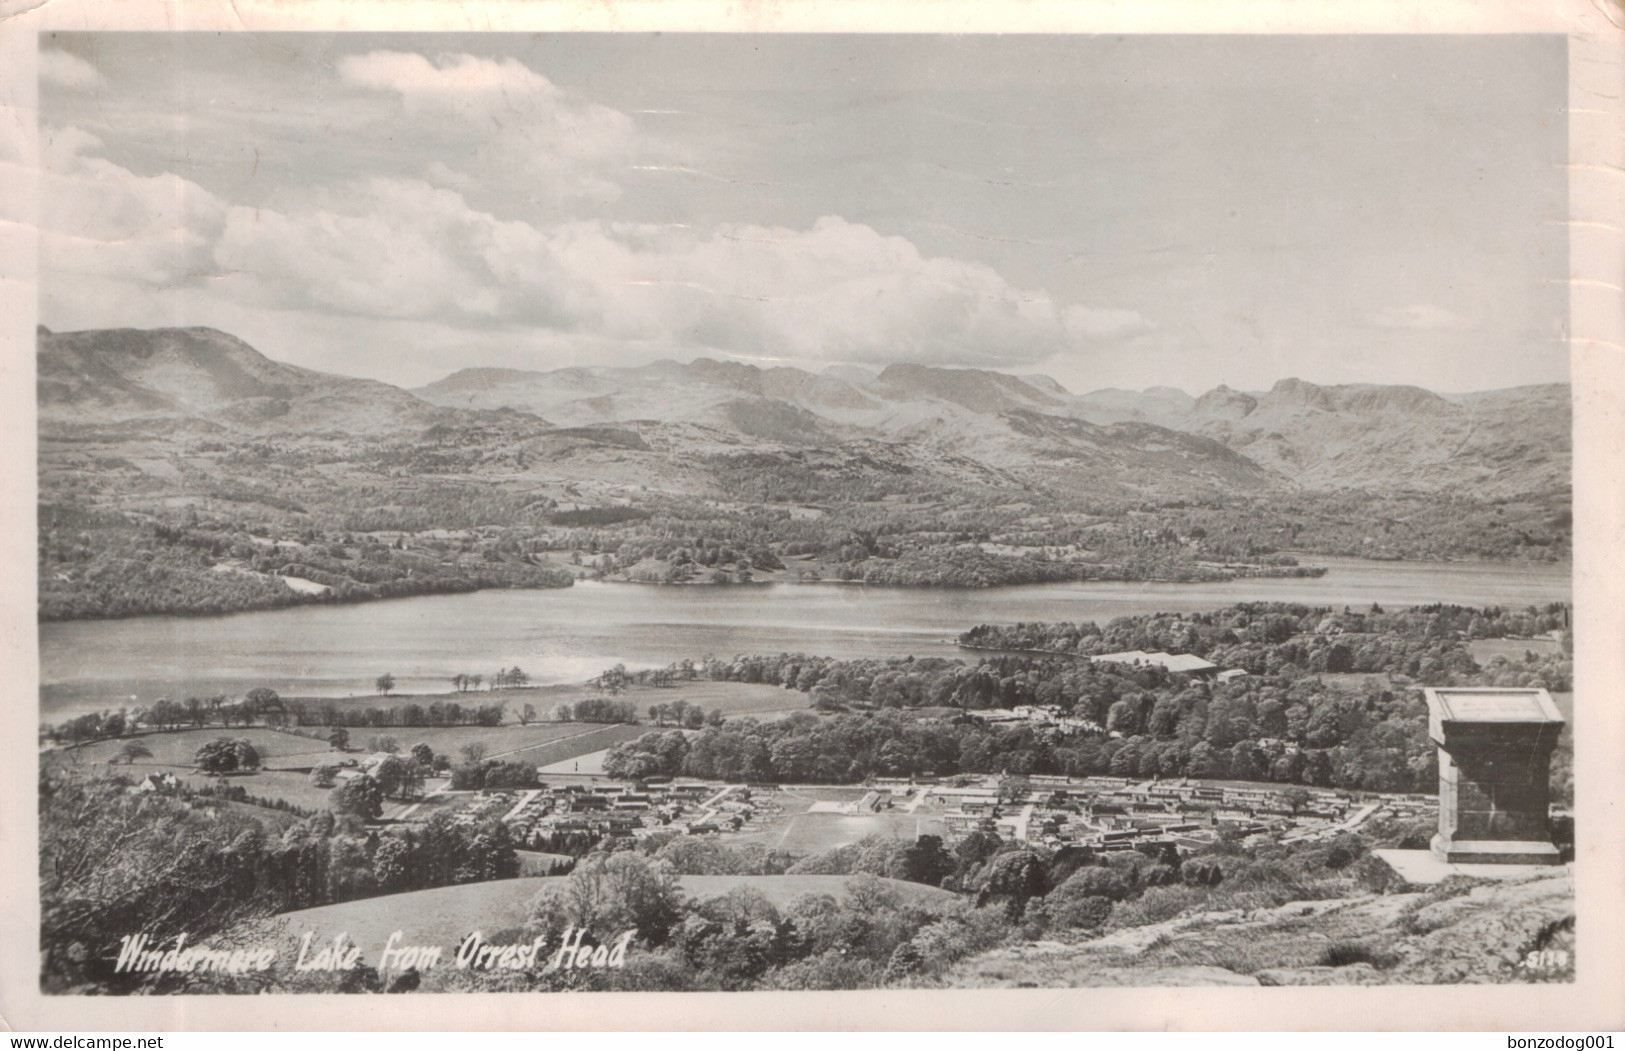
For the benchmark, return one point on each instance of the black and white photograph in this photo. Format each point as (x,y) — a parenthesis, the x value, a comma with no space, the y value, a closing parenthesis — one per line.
(723,512)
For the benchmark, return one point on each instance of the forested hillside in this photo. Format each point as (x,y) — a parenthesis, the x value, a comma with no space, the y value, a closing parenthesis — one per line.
(1327,702)
(183,472)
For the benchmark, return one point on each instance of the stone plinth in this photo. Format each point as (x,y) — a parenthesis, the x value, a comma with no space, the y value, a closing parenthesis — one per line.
(1495,749)
(1421,868)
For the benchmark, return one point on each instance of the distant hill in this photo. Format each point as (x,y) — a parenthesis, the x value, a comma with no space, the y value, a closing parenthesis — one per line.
(182,471)
(206,376)
(1492,443)
(967,424)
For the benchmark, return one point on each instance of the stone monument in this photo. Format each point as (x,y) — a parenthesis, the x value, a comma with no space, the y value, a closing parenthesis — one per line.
(1495,748)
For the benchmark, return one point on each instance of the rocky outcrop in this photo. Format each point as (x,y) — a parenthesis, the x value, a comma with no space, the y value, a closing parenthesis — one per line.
(1460,932)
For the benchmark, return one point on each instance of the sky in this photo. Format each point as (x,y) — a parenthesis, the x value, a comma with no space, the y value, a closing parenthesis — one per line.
(1109,211)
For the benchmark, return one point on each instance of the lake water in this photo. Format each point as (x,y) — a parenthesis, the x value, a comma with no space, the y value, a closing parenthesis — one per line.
(572,634)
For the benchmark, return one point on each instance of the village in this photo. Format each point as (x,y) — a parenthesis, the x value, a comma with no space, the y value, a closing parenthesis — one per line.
(1103,813)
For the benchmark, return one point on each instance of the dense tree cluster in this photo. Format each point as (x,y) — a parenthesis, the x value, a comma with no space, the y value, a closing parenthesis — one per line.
(226,755)
(435,713)
(493,774)
(1236,631)
(597,710)
(1367,741)
(875,933)
(295,715)
(113,863)
(104,564)
(1283,723)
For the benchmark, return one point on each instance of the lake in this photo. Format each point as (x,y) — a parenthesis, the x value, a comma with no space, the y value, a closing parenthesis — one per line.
(572,634)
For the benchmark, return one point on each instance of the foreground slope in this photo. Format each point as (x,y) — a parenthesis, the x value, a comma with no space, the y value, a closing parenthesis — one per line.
(1461,931)
(445,915)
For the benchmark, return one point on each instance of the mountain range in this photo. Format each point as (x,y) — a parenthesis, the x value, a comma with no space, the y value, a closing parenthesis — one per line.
(1029,430)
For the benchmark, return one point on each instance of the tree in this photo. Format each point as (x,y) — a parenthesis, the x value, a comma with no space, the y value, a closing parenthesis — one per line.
(390,864)
(225,755)
(130,751)
(927,861)
(1340,658)
(468,777)
(384,683)
(248,757)
(515,774)
(424,755)
(1016,877)
(339,739)
(527,715)
(399,777)
(472,752)
(613,681)
(608,894)
(360,796)
(261,698)
(323,775)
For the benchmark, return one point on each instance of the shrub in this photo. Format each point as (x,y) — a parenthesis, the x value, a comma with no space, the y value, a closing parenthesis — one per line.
(1346,954)
(1164,903)
(1095,881)
(952,938)
(1086,912)
(1202,873)
(829,971)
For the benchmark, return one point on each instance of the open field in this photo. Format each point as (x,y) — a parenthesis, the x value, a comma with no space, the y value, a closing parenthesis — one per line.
(801,833)
(588,738)
(444,915)
(732,698)
(176,748)
(589,765)
(544,698)
(288,757)
(1486,650)
(501,742)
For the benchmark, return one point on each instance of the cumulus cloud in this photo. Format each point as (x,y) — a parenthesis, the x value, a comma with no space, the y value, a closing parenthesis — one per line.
(397,250)
(836,291)
(97,218)
(503,122)
(1419,316)
(456,77)
(66,70)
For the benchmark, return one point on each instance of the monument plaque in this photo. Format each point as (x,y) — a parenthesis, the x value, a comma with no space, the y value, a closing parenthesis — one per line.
(1495,748)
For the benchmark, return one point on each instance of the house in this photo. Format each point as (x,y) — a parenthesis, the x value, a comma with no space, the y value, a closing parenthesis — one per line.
(163,784)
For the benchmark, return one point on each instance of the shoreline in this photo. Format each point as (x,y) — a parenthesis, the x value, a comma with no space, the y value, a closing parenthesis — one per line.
(1324,571)
(1300,572)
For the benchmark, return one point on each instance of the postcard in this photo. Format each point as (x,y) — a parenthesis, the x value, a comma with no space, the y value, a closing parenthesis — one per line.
(1028,516)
